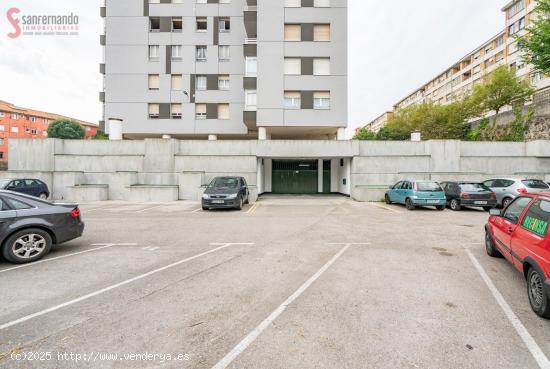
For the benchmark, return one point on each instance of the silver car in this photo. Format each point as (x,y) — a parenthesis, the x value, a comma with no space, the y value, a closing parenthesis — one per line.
(507,189)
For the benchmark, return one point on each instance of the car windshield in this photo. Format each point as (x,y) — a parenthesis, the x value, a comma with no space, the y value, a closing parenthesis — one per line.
(428,187)
(473,187)
(224,183)
(535,183)
(4,182)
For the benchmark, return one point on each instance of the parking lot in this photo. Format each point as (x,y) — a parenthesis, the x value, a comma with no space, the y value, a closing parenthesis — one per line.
(289,282)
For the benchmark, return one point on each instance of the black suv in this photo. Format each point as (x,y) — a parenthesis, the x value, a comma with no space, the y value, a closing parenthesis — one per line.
(33,187)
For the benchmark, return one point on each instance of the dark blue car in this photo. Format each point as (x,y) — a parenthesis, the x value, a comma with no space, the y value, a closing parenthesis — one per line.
(32,187)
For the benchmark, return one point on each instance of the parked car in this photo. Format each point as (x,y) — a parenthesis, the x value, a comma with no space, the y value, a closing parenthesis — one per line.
(470,194)
(33,187)
(417,193)
(520,233)
(226,192)
(507,189)
(29,226)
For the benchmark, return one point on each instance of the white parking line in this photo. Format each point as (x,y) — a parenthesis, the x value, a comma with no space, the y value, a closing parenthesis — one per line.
(385,208)
(197,210)
(529,341)
(102,246)
(151,208)
(253,208)
(252,336)
(114,286)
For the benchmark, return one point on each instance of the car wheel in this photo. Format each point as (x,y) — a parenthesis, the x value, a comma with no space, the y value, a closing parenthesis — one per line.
(240,206)
(487,208)
(27,246)
(387,199)
(247,200)
(455,205)
(43,196)
(506,202)
(440,208)
(409,204)
(490,246)
(539,300)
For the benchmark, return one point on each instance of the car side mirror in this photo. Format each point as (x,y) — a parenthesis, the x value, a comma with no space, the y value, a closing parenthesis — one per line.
(495,212)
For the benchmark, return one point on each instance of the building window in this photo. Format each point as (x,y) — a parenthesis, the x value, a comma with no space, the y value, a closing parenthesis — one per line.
(223,111)
(1,155)
(293,3)
(14,116)
(225,24)
(33,131)
(177,52)
(251,66)
(2,128)
(293,32)
(176,111)
(154,81)
(321,67)
(154,24)
(293,100)
(251,98)
(293,66)
(223,82)
(154,52)
(321,32)
(201,83)
(177,24)
(321,3)
(201,53)
(202,24)
(177,82)
(15,129)
(321,100)
(46,121)
(200,111)
(33,119)
(224,53)
(516,27)
(154,111)
(516,8)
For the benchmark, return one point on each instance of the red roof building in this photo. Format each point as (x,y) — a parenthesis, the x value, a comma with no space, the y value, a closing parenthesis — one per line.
(16,122)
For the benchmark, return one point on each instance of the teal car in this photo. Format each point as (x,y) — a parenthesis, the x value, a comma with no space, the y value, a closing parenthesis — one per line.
(417,193)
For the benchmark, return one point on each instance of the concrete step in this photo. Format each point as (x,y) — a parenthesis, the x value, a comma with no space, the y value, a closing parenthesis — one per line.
(153,193)
(80,193)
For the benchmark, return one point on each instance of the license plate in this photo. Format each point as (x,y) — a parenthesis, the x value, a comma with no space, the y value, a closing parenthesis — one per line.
(433,201)
(218,202)
(481,203)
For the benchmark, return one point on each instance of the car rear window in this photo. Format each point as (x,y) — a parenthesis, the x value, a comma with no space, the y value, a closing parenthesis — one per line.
(537,218)
(428,187)
(473,187)
(535,183)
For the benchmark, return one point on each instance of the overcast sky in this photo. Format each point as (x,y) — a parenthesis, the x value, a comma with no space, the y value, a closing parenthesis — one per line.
(394,47)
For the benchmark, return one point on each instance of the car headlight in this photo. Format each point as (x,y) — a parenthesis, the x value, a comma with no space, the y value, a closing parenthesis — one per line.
(232,197)
(206,197)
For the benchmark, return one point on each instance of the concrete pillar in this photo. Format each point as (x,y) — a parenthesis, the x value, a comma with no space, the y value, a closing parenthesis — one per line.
(212,138)
(115,129)
(341,135)
(260,176)
(320,176)
(262,133)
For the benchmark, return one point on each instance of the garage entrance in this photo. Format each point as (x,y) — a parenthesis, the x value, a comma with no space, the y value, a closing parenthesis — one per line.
(295,177)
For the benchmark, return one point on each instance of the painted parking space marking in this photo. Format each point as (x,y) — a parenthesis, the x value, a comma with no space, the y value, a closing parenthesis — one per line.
(152,208)
(252,336)
(150,248)
(385,208)
(117,285)
(197,210)
(101,246)
(524,334)
(253,208)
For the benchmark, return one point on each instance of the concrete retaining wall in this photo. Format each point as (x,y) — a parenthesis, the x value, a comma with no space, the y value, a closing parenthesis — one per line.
(161,170)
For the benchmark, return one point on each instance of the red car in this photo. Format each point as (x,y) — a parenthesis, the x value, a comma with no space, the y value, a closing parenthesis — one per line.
(520,234)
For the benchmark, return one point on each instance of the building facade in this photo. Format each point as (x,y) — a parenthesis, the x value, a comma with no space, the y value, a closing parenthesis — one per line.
(458,80)
(17,122)
(226,69)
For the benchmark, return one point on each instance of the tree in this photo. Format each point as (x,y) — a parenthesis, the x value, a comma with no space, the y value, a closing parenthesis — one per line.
(364,134)
(501,88)
(100,136)
(66,129)
(536,43)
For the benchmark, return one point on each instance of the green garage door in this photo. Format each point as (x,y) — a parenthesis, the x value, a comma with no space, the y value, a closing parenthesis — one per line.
(295,177)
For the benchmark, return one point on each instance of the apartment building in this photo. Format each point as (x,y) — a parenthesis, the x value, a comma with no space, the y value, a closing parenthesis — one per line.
(226,69)
(458,80)
(17,122)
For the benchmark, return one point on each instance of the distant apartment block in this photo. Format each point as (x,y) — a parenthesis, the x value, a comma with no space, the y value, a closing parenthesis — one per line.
(458,80)
(226,69)
(17,122)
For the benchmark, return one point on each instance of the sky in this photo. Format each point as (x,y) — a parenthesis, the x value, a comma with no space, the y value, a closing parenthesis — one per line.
(395,46)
